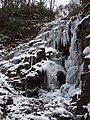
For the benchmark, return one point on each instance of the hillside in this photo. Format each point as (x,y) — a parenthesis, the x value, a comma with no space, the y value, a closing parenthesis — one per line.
(21,25)
(48,78)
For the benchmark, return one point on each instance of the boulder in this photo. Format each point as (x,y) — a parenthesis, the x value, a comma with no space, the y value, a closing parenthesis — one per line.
(61,77)
(33,79)
(41,55)
(86,63)
(32,92)
(9,101)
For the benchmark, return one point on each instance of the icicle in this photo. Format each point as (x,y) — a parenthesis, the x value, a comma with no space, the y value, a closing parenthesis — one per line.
(58,39)
(48,77)
(31,61)
(53,39)
(72,62)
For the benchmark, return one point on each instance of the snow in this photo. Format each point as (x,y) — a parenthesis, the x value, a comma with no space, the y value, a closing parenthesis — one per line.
(88,107)
(52,103)
(84,19)
(49,49)
(4,84)
(88,36)
(86,50)
(87,57)
(61,111)
(89,66)
(75,1)
(31,74)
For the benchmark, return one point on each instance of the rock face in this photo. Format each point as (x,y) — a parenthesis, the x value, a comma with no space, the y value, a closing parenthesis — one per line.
(83,35)
(83,30)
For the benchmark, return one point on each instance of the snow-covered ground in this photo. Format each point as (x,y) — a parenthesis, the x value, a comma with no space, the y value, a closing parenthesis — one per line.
(49,105)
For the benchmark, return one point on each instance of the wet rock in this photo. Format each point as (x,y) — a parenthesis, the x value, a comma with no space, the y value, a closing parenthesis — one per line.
(64,49)
(1,116)
(85,95)
(81,111)
(74,98)
(41,55)
(12,74)
(17,84)
(31,93)
(84,30)
(1,93)
(86,63)
(61,77)
(85,10)
(34,79)
(9,101)
(83,35)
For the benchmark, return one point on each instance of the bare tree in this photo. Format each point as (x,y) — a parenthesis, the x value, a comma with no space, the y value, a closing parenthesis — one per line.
(52,4)
(28,2)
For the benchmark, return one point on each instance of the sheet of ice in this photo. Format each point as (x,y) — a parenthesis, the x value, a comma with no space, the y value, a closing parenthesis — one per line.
(72,63)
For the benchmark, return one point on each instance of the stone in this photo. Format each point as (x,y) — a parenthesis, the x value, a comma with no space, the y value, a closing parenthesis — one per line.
(86,63)
(41,55)
(31,93)
(19,68)
(64,49)
(85,95)
(33,81)
(74,98)
(9,101)
(1,93)
(61,77)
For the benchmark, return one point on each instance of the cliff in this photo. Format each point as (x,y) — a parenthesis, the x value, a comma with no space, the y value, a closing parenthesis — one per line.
(47,78)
